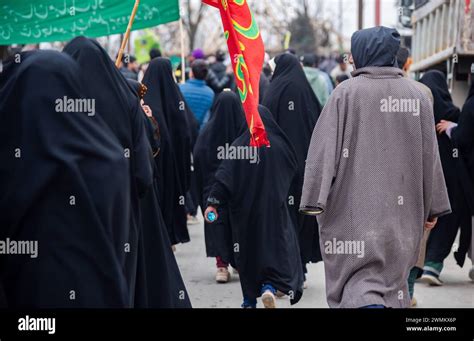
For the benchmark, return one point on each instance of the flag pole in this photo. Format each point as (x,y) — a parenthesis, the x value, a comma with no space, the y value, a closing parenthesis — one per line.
(183,59)
(127,33)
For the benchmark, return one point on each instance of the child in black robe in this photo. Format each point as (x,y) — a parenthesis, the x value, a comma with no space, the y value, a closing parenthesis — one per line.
(256,194)
(225,125)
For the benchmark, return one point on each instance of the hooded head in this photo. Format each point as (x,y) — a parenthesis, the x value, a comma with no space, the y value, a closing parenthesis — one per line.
(106,85)
(443,102)
(376,46)
(288,67)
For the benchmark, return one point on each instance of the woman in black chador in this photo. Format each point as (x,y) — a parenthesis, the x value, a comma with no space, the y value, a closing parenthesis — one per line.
(65,184)
(114,104)
(462,137)
(159,281)
(296,110)
(178,131)
(225,125)
(457,179)
(256,195)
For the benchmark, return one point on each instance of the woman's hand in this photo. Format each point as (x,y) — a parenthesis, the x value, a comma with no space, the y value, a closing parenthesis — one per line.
(147,110)
(209,213)
(443,125)
(431,223)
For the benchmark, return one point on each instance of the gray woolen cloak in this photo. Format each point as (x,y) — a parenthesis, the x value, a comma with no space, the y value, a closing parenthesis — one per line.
(373,176)
(377,176)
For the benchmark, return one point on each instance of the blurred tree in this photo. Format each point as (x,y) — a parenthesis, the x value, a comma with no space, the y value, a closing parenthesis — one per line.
(192,19)
(202,28)
(302,18)
(309,32)
(303,38)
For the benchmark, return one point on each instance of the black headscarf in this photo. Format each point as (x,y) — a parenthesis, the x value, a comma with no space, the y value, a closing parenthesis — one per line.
(293,103)
(69,190)
(225,125)
(119,110)
(444,108)
(174,161)
(123,114)
(256,195)
(376,46)
(296,110)
(227,122)
(107,86)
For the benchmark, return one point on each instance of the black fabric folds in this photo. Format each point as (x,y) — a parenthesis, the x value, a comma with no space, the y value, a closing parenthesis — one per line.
(256,195)
(68,189)
(177,135)
(123,114)
(296,110)
(159,281)
(456,175)
(227,121)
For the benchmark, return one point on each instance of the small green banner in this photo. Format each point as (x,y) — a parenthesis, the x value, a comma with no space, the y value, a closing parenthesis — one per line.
(27,21)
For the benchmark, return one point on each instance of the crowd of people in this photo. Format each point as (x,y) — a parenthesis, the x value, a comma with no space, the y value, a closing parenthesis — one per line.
(368,171)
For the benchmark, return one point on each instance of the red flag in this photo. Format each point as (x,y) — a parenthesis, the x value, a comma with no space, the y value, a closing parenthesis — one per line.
(247,54)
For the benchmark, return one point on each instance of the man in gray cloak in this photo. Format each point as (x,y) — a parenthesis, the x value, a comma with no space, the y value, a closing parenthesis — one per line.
(373,177)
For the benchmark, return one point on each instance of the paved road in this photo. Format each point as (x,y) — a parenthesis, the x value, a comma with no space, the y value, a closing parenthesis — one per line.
(199,271)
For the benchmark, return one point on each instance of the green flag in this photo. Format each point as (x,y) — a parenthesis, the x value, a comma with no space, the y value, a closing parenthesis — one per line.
(27,21)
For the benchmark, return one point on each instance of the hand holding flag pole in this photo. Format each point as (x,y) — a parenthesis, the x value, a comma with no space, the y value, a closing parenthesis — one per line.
(127,33)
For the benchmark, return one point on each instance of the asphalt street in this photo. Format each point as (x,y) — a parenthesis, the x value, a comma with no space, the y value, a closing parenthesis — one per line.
(198,272)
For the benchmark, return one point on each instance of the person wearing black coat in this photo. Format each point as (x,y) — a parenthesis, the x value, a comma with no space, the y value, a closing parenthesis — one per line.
(178,130)
(458,182)
(225,125)
(462,135)
(66,186)
(266,247)
(296,109)
(159,279)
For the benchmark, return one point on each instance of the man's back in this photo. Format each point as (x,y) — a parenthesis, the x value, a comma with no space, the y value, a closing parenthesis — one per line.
(318,84)
(199,98)
(373,168)
(387,122)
